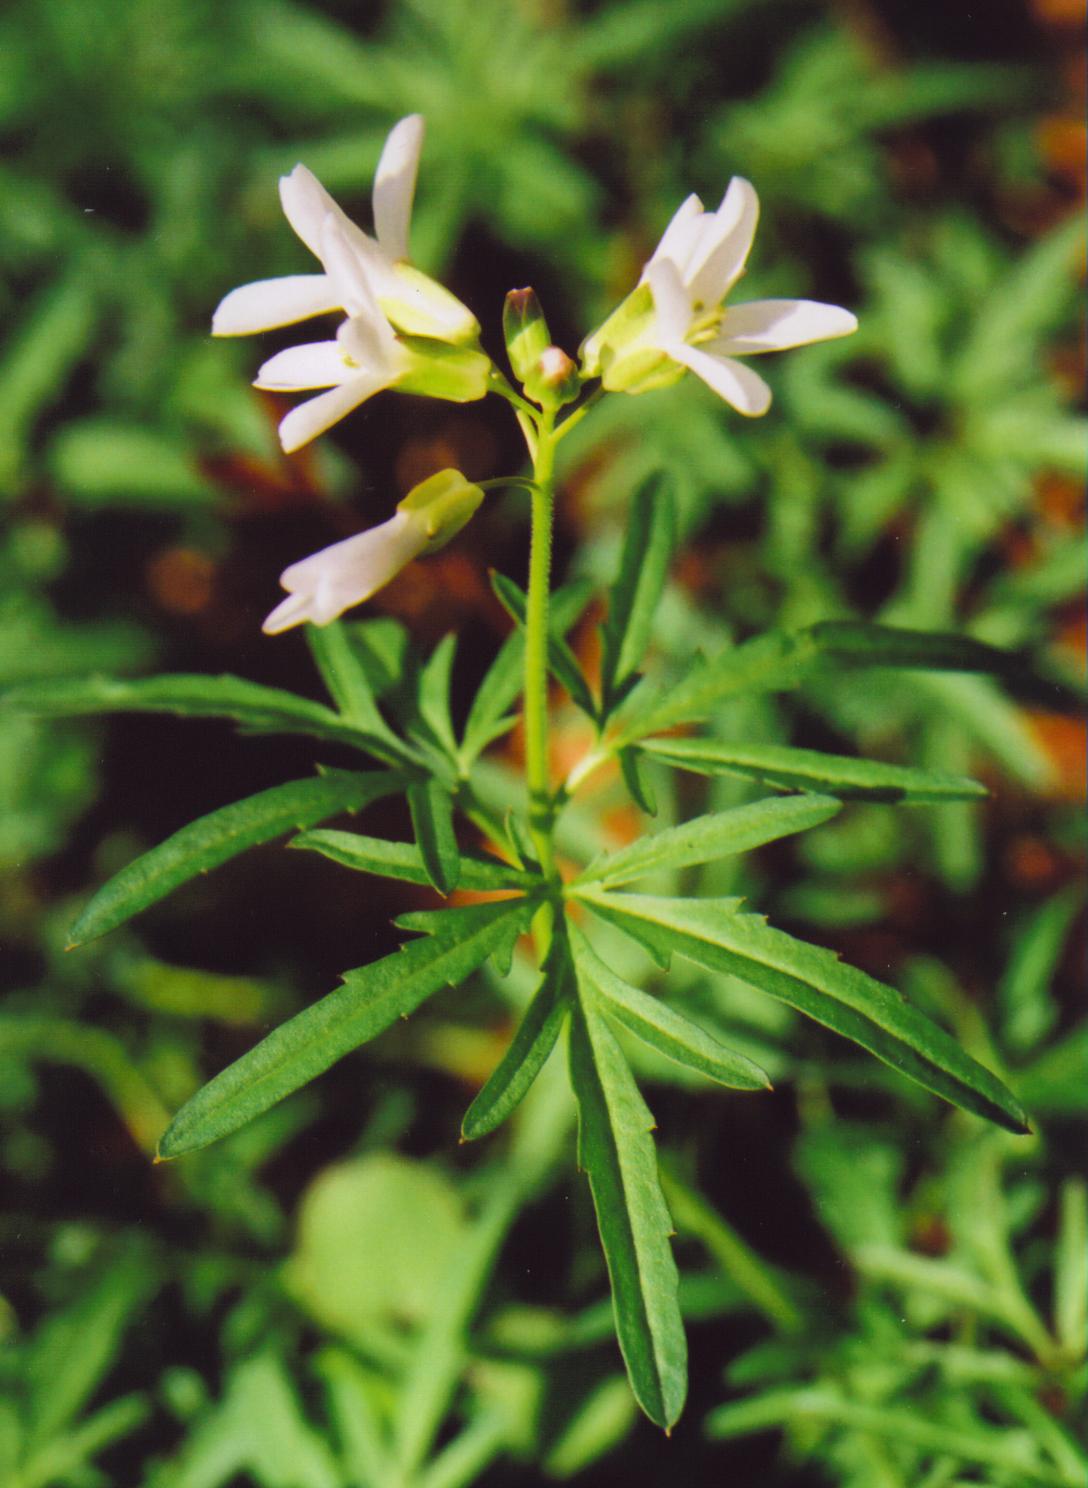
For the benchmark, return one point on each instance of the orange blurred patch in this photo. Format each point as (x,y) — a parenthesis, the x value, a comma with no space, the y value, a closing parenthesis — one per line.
(1032,863)
(1059,12)
(1065,742)
(1062,142)
(180,580)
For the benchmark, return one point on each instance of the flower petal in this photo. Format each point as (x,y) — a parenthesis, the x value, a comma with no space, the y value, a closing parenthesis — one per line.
(395,184)
(681,235)
(723,249)
(269,303)
(306,204)
(773,325)
(316,415)
(315,364)
(672,308)
(328,582)
(744,389)
(353,267)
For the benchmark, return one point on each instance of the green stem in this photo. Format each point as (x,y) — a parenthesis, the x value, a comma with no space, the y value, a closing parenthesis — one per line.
(541,809)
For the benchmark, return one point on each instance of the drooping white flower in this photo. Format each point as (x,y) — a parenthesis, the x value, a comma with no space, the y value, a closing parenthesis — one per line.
(324,585)
(366,356)
(413,302)
(677,319)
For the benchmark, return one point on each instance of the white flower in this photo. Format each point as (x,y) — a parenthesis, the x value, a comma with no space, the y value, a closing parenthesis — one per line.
(324,585)
(677,318)
(366,356)
(414,303)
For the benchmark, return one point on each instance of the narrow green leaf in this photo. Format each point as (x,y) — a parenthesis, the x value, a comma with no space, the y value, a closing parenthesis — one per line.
(223,834)
(370,999)
(529,1048)
(717,934)
(562,661)
(431,806)
(433,696)
(404,860)
(707,838)
(633,601)
(488,717)
(782,660)
(616,1151)
(1003,1449)
(662,1027)
(1071,1268)
(634,778)
(862,644)
(256,708)
(345,678)
(808,769)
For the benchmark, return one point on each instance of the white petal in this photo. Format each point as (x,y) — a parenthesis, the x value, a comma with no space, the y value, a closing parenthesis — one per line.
(733,381)
(293,610)
(681,235)
(773,325)
(306,204)
(269,303)
(372,345)
(316,364)
(723,250)
(328,582)
(672,307)
(395,184)
(352,267)
(316,415)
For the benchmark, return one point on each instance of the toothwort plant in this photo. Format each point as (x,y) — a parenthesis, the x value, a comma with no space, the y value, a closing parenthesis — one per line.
(402,330)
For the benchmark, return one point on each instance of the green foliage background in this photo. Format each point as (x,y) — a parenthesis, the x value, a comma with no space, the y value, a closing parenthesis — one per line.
(879,1291)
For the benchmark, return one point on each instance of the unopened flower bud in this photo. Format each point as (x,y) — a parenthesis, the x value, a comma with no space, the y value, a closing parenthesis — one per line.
(526,332)
(554,379)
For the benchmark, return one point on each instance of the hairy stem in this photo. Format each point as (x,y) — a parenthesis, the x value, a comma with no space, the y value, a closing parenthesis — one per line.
(541,809)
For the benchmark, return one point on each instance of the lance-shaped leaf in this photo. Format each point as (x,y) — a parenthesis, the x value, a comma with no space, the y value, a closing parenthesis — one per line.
(717,934)
(431,806)
(562,661)
(404,860)
(782,660)
(529,1048)
(257,709)
(662,1027)
(808,769)
(433,695)
(346,679)
(616,1152)
(633,600)
(489,717)
(371,998)
(223,834)
(707,838)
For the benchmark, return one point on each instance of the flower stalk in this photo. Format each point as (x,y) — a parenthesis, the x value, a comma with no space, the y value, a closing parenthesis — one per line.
(538,774)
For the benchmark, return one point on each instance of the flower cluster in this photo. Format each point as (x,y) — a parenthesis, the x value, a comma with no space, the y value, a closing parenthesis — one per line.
(401,329)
